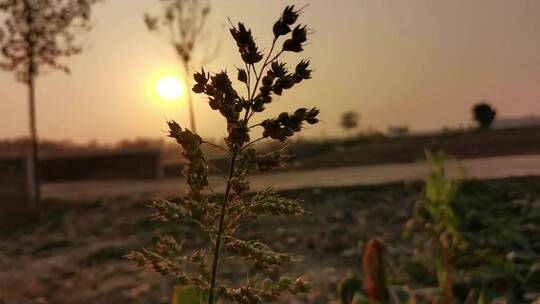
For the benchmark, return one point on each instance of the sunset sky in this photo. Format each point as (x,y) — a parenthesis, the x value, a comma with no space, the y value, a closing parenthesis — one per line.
(421,63)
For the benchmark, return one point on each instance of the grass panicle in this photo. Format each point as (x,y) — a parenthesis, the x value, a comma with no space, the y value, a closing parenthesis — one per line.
(264,76)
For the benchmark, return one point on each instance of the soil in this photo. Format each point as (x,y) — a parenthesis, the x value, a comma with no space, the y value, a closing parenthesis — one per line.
(73,253)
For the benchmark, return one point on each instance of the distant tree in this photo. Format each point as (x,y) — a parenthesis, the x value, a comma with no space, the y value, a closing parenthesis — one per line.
(183,23)
(484,114)
(349,120)
(35,34)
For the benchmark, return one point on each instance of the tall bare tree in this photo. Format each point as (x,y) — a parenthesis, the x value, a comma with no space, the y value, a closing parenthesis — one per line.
(34,35)
(182,23)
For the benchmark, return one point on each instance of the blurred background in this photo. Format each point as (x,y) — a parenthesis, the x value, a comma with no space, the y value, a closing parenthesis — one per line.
(419,64)
(392,80)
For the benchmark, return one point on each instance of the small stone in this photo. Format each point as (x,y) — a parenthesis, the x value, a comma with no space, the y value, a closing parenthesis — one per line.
(351,252)
(336,245)
(337,230)
(499,301)
(531,296)
(535,204)
(339,216)
(291,240)
(310,244)
(137,291)
(36,289)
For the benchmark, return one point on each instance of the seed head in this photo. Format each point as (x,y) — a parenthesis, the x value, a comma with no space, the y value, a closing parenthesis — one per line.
(295,43)
(242,75)
(290,16)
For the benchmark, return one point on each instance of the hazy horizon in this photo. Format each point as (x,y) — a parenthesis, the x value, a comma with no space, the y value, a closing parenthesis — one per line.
(420,63)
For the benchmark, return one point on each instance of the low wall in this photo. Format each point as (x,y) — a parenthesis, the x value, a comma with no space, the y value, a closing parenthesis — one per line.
(176,169)
(16,191)
(136,165)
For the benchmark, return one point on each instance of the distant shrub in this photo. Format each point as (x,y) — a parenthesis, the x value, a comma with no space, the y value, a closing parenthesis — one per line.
(349,120)
(484,114)
(398,130)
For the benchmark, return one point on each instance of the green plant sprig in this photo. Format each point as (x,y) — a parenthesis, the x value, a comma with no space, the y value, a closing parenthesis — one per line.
(434,227)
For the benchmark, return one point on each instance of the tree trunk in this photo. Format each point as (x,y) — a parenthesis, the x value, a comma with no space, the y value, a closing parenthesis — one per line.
(189,98)
(34,138)
(32,72)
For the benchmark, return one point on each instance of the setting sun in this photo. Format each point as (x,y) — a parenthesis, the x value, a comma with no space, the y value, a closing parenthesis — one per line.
(170,88)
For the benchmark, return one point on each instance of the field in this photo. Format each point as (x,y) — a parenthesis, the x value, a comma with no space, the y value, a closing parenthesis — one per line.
(73,254)
(376,148)
(70,161)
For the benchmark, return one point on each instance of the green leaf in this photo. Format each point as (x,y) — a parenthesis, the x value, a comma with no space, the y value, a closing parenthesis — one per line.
(349,289)
(401,294)
(190,295)
(488,295)
(359,298)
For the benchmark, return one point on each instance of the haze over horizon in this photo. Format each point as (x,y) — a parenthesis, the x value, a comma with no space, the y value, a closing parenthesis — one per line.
(421,63)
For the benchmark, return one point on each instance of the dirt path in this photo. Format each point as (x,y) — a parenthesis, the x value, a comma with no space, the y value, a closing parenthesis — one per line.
(494,167)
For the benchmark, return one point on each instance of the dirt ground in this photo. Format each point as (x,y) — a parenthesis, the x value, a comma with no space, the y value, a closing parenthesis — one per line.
(73,254)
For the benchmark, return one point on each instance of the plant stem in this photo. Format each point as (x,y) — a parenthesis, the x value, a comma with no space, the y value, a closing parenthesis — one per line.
(219,236)
(32,105)
(216,146)
(448,281)
(266,62)
(252,142)
(248,84)
(35,143)
(190,98)
(220,228)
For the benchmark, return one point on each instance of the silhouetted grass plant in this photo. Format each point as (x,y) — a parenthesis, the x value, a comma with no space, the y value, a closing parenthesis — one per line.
(219,216)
